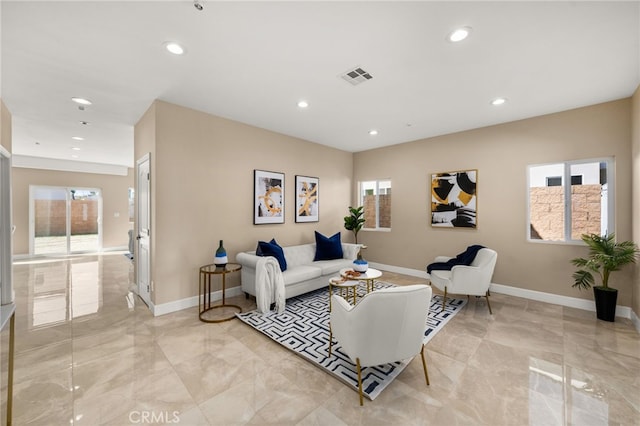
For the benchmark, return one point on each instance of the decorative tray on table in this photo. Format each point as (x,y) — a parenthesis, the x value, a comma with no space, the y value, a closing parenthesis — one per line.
(351,274)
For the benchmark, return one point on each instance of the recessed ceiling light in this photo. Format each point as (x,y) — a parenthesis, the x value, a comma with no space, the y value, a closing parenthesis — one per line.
(373,132)
(85,123)
(81,101)
(173,47)
(77,138)
(303,104)
(498,101)
(75,148)
(459,34)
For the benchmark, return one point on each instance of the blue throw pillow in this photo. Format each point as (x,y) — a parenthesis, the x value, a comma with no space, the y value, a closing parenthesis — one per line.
(328,248)
(272,249)
(464,258)
(259,250)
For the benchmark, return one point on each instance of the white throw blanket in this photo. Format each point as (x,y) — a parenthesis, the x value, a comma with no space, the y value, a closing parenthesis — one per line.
(269,284)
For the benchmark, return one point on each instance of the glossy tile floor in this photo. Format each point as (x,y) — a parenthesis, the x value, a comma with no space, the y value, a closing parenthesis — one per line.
(86,356)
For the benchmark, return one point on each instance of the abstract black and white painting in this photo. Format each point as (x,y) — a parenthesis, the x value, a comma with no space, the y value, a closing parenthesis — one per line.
(454,199)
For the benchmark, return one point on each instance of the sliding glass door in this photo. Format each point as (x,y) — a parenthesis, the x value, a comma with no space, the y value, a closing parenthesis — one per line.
(65,220)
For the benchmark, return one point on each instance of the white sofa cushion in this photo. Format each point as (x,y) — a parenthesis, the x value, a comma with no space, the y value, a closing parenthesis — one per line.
(333,266)
(300,273)
(299,255)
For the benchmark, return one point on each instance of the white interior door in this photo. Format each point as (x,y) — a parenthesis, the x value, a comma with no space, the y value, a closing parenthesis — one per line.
(143,229)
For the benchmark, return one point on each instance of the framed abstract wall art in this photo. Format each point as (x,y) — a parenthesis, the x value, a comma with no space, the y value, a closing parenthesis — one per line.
(454,199)
(307,199)
(268,197)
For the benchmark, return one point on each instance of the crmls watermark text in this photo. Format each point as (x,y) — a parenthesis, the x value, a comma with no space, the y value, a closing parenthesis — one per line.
(147,417)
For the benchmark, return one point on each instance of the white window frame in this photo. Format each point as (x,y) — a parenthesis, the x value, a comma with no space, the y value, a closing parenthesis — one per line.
(361,195)
(566,184)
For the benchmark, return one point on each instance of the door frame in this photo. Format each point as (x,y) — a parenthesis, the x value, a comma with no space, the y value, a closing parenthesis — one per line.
(143,236)
(6,229)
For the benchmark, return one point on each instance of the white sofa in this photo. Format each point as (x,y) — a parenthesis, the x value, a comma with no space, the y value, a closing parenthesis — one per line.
(303,274)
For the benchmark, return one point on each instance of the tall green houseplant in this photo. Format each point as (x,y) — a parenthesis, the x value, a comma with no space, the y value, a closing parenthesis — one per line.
(354,222)
(605,256)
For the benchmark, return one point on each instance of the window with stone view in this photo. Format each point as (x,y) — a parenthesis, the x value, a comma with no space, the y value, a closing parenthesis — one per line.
(569,199)
(375,196)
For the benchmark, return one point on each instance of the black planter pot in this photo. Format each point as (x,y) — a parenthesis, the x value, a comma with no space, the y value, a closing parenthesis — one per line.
(606,300)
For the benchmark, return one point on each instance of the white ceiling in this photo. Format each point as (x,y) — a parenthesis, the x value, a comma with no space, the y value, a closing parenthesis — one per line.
(253,61)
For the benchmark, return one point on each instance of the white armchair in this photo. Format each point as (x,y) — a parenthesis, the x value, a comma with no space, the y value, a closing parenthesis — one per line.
(385,326)
(474,279)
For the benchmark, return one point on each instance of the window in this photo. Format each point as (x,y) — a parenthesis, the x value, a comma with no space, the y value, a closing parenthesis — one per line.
(561,212)
(375,196)
(557,180)
(554,181)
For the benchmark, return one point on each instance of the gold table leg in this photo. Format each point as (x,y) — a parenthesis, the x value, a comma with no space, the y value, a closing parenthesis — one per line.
(12,346)
(205,285)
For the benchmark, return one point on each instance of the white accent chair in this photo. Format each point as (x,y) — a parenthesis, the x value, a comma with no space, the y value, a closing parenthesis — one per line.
(386,326)
(474,279)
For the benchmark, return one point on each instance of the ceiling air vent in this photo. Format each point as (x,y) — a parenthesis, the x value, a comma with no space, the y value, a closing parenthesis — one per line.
(356,76)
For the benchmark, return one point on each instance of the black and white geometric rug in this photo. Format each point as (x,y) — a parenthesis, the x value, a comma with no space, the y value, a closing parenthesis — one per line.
(304,328)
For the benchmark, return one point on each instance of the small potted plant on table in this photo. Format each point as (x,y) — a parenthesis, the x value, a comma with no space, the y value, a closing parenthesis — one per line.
(605,257)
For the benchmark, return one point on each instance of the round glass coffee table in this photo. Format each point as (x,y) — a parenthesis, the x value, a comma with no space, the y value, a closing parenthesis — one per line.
(368,277)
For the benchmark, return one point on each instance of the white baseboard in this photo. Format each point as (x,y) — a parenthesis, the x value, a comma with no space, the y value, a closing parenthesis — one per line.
(105,250)
(572,302)
(116,248)
(401,270)
(190,302)
(635,320)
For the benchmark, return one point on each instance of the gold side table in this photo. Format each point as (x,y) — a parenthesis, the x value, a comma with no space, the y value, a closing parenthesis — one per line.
(343,284)
(368,277)
(204,289)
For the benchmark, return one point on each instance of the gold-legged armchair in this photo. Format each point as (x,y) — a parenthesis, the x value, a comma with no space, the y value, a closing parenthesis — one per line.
(386,326)
(473,279)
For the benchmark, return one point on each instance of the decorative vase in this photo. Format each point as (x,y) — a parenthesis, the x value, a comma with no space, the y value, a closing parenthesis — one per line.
(360,265)
(221,256)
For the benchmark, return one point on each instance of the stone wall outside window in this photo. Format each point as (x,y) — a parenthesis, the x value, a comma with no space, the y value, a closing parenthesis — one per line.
(547,211)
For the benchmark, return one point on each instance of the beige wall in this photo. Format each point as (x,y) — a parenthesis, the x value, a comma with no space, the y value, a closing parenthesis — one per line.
(635,138)
(500,154)
(114,196)
(202,180)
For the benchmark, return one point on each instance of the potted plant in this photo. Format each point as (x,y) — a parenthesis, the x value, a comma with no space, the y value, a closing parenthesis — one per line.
(605,257)
(354,222)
